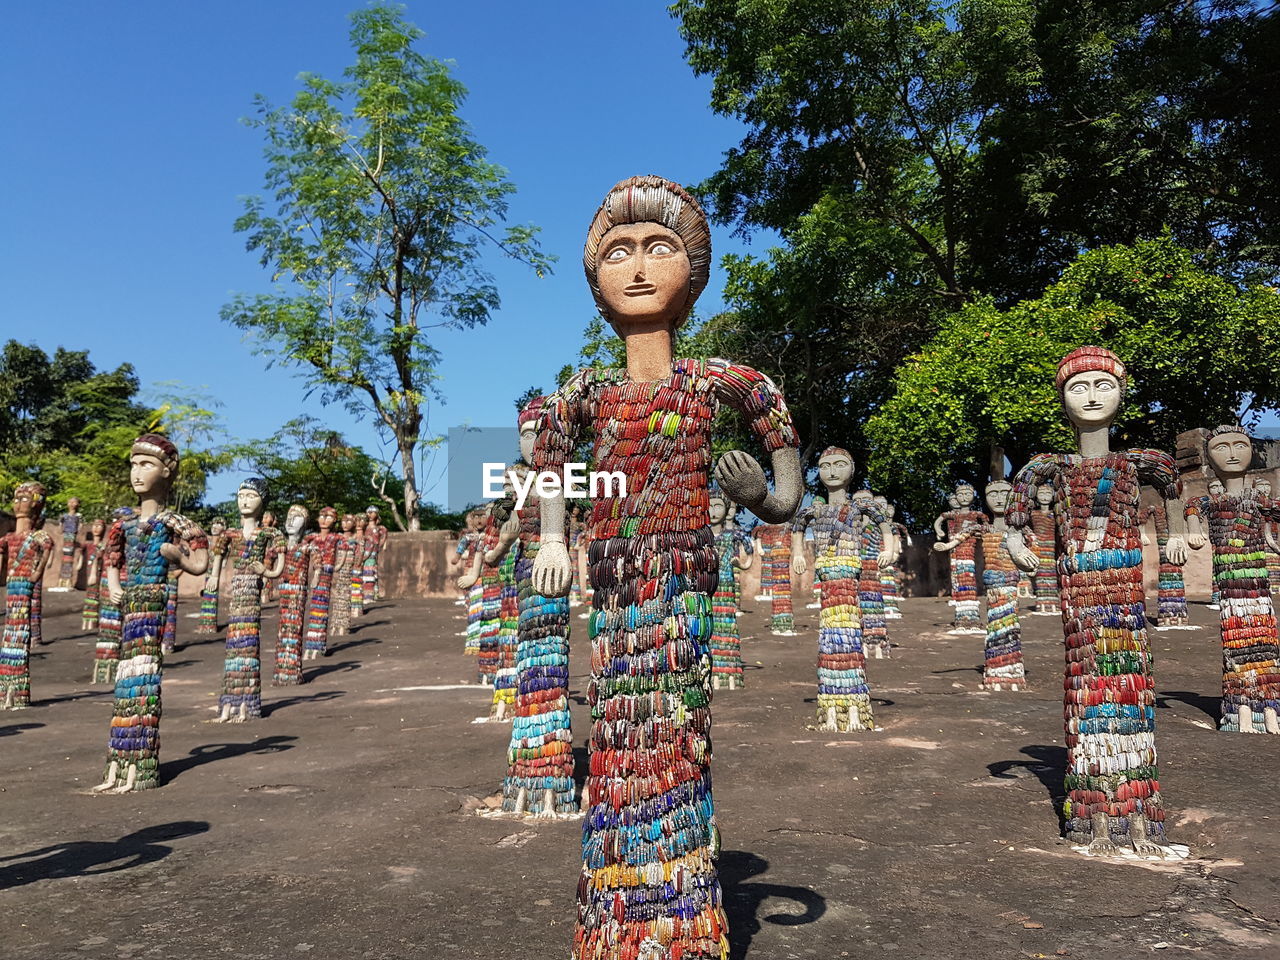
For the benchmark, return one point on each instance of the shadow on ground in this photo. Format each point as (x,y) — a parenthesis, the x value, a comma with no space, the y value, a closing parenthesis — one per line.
(86,858)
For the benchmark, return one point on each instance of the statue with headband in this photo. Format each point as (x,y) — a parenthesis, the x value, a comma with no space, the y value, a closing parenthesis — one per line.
(733,548)
(877,545)
(25,553)
(649,887)
(1113,789)
(324,544)
(299,567)
(92,566)
(257,557)
(218,543)
(839,525)
(1237,526)
(539,780)
(958,531)
(144,546)
(345,562)
(375,541)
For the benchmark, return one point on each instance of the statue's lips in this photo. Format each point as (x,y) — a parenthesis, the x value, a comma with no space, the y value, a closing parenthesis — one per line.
(640,290)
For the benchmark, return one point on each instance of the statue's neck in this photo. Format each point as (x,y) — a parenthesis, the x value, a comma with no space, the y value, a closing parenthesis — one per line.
(1094,441)
(837,496)
(717,527)
(249,526)
(649,351)
(1234,485)
(23,525)
(148,507)
(997,522)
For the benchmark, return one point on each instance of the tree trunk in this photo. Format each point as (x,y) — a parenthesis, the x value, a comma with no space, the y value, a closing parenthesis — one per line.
(410,485)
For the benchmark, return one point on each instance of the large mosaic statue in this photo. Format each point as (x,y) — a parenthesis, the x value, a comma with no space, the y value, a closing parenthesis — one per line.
(345,559)
(375,541)
(145,546)
(90,557)
(1113,789)
(839,524)
(218,544)
(257,556)
(69,529)
(299,557)
(649,887)
(1171,592)
(1236,524)
(24,553)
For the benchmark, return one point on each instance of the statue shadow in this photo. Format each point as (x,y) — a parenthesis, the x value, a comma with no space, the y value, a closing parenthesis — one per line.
(213,752)
(88,858)
(882,701)
(269,708)
(1048,764)
(107,690)
(314,673)
(348,644)
(171,664)
(1211,707)
(938,673)
(363,624)
(744,897)
(13,729)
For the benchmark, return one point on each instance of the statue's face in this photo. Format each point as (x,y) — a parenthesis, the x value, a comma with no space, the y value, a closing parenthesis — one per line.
(73,505)
(528,434)
(348,522)
(325,522)
(268,519)
(1216,488)
(361,522)
(717,510)
(148,476)
(249,502)
(835,470)
(864,497)
(98,528)
(1092,398)
(643,274)
(216,527)
(965,494)
(1044,495)
(24,503)
(295,520)
(953,502)
(1262,487)
(998,497)
(372,515)
(1230,454)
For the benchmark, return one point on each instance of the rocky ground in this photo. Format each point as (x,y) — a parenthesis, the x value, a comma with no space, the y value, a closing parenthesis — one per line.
(341,824)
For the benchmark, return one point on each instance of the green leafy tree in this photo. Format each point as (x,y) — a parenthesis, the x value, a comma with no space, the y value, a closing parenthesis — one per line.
(384,208)
(307,462)
(1198,348)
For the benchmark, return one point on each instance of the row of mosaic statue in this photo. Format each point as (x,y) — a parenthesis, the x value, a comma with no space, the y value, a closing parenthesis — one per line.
(659,573)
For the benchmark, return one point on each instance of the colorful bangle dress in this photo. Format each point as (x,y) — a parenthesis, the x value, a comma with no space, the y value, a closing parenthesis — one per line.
(648,875)
(468,544)
(374,535)
(26,553)
(964,590)
(325,556)
(844,698)
(70,528)
(298,558)
(726,645)
(1171,593)
(540,753)
(1046,572)
(344,562)
(242,668)
(133,546)
(508,637)
(776,540)
(1109,703)
(357,579)
(1002,656)
(1250,645)
(208,622)
(169,637)
(89,613)
(890,577)
(875,628)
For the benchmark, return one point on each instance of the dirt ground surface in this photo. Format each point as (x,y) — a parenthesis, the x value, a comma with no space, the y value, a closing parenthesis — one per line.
(341,824)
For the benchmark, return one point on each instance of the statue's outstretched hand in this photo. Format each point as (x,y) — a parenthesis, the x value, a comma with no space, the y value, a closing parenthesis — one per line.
(1176,550)
(742,479)
(466,581)
(552,572)
(1025,559)
(799,565)
(1194,540)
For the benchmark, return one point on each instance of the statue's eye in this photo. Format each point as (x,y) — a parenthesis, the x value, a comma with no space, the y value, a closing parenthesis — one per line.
(661,249)
(1078,388)
(617,254)
(1105,385)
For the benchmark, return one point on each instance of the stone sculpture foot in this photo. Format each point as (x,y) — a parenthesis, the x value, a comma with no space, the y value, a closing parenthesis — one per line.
(1143,845)
(1244,718)
(110,782)
(1270,721)
(8,698)
(1101,845)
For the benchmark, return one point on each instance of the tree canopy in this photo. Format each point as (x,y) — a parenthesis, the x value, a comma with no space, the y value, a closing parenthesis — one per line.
(383,209)
(1199,350)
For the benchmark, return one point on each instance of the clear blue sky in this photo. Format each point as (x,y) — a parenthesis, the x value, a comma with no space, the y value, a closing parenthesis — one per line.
(124,163)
